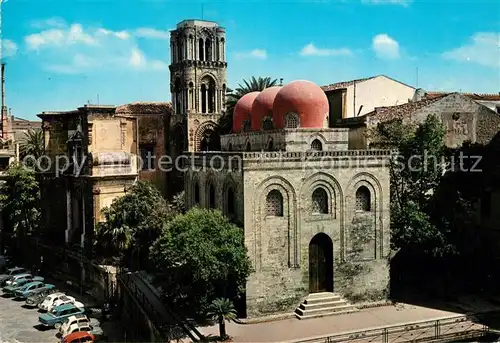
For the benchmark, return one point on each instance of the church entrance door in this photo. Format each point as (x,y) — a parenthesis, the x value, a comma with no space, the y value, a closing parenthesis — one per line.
(321,264)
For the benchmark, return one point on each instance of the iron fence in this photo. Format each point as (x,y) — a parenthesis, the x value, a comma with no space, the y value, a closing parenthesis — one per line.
(446,329)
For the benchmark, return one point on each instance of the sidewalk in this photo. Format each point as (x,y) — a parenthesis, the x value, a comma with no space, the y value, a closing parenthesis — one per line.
(294,329)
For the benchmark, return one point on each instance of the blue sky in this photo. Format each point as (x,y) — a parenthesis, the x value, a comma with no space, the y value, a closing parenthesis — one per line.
(61,54)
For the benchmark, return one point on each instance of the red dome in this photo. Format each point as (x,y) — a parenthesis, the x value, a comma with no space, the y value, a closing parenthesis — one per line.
(304,98)
(263,106)
(242,110)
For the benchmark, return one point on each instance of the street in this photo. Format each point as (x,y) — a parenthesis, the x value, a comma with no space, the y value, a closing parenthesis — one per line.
(19,324)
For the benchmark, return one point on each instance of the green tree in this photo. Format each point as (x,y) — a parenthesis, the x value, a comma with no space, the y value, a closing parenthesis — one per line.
(20,199)
(416,171)
(253,85)
(31,144)
(132,223)
(200,256)
(221,310)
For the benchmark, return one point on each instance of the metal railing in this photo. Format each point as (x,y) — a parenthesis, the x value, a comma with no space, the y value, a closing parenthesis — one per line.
(170,326)
(446,329)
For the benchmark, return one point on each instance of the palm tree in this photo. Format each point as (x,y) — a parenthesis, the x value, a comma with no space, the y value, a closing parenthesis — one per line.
(221,310)
(31,144)
(113,236)
(253,85)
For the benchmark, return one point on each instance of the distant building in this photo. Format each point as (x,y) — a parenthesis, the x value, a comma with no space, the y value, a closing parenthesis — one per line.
(492,101)
(464,119)
(355,98)
(20,126)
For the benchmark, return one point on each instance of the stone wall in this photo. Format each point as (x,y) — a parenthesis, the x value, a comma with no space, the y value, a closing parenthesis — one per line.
(287,140)
(278,246)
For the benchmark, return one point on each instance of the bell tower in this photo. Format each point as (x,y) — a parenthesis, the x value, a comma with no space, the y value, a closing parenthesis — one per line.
(198,84)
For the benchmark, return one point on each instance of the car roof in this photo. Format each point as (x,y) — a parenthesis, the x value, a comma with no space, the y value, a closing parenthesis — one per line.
(78,334)
(32,283)
(16,268)
(64,307)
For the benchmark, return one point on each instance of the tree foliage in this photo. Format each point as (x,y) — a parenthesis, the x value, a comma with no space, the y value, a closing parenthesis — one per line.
(31,144)
(253,85)
(132,223)
(200,256)
(20,199)
(416,171)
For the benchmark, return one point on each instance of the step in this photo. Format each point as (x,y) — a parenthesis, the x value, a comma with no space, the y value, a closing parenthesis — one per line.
(326,314)
(333,309)
(308,307)
(324,298)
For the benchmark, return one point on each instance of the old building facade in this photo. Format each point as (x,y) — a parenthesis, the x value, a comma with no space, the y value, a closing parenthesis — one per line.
(464,119)
(198,83)
(315,214)
(101,147)
(355,98)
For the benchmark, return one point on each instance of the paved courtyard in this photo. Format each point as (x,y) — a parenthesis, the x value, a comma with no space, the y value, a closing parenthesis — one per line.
(18,324)
(294,329)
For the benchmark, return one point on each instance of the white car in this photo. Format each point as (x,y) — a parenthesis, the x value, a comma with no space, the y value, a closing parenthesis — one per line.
(49,300)
(77,319)
(15,278)
(66,300)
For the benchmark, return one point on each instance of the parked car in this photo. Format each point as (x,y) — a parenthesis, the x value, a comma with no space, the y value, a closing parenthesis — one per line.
(79,327)
(13,287)
(49,300)
(79,337)
(35,299)
(66,300)
(78,319)
(25,291)
(11,272)
(20,276)
(59,314)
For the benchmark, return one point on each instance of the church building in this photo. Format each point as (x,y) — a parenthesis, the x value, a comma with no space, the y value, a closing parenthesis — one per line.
(315,214)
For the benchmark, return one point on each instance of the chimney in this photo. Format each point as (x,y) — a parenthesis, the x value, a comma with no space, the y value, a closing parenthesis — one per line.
(4,106)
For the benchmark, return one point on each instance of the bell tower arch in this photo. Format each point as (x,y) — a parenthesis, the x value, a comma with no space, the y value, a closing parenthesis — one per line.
(197,78)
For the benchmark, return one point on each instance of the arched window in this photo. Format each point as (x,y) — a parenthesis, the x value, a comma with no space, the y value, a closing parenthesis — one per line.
(230,147)
(270,145)
(208,49)
(211,196)
(292,121)
(316,145)
(267,123)
(196,193)
(363,199)
(230,201)
(203,98)
(201,49)
(319,201)
(274,204)
(246,125)
(249,147)
(178,104)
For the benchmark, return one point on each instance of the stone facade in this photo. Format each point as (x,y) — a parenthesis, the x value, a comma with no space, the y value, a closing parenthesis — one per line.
(102,147)
(464,120)
(197,81)
(286,200)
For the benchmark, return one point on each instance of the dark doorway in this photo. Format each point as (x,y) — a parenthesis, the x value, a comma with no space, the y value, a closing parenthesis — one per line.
(321,264)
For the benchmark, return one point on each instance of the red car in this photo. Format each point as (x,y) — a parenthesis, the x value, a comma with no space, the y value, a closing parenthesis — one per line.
(79,337)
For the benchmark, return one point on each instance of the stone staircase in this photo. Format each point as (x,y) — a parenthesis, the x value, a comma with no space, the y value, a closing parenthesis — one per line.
(323,304)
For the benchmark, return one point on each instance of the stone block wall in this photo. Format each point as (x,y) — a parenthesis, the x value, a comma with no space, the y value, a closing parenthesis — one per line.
(279,246)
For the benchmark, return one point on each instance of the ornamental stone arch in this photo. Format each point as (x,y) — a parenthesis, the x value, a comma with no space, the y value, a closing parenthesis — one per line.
(280,184)
(208,76)
(206,136)
(316,137)
(371,183)
(332,188)
(195,190)
(230,185)
(212,192)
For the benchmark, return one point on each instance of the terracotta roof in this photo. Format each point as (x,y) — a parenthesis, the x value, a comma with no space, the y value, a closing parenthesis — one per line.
(383,114)
(473,96)
(145,108)
(344,84)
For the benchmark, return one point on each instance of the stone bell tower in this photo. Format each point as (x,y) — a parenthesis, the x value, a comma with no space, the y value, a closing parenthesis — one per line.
(198,84)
